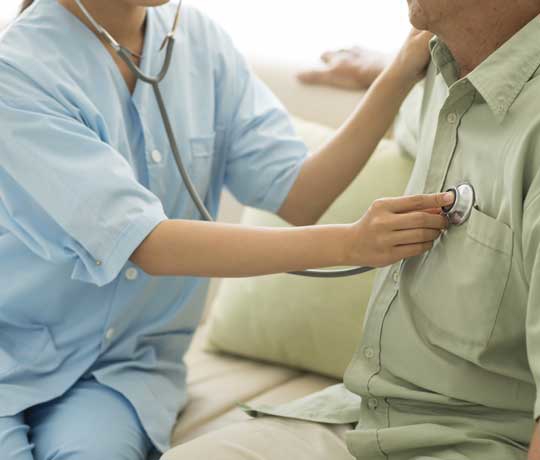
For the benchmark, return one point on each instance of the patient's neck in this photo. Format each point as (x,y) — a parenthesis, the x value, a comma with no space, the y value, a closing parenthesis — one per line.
(476,33)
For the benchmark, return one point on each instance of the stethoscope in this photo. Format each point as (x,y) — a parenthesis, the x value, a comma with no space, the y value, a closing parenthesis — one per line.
(457,214)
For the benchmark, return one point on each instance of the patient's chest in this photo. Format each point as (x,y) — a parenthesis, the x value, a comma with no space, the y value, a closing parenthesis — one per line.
(457,294)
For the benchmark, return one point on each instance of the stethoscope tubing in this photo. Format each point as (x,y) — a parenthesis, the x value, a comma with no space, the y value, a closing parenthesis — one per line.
(185,175)
(155,81)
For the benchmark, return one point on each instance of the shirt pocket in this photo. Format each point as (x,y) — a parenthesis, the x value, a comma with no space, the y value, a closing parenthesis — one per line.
(22,346)
(457,291)
(202,155)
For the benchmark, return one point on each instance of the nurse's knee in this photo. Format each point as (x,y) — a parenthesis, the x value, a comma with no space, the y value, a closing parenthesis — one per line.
(108,447)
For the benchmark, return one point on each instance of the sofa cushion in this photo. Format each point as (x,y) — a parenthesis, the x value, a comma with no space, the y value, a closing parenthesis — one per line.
(307,324)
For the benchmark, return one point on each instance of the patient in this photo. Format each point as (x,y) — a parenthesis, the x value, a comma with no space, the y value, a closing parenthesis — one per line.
(450,357)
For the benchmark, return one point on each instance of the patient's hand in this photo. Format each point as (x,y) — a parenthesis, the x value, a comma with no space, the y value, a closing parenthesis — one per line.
(355,68)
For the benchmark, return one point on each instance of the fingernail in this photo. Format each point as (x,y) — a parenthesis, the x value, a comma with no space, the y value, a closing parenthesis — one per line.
(448,197)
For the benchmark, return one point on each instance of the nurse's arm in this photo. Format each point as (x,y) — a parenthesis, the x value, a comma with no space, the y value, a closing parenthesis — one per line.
(393,229)
(327,173)
(534,449)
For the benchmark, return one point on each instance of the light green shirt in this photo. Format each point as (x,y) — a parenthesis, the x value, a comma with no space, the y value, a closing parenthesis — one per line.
(458,329)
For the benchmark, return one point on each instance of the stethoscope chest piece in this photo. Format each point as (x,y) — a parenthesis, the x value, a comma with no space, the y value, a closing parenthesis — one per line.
(464,203)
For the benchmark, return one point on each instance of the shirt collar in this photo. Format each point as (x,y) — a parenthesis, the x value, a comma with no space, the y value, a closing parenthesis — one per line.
(502,76)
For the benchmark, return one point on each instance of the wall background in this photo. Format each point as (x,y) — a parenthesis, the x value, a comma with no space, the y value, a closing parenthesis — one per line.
(299,29)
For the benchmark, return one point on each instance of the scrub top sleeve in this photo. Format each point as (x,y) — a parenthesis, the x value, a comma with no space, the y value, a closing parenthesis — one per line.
(531,253)
(69,196)
(264,154)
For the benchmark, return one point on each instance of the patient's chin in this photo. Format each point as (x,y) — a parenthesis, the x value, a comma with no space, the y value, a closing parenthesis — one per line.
(418,17)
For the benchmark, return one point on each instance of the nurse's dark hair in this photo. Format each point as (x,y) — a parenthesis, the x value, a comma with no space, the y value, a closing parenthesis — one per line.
(25,4)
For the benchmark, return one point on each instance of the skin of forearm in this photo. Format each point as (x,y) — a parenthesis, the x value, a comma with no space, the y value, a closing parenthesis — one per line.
(534,449)
(326,174)
(228,251)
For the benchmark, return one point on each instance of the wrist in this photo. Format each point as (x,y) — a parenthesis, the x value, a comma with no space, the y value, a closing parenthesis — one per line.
(346,241)
(334,245)
(400,77)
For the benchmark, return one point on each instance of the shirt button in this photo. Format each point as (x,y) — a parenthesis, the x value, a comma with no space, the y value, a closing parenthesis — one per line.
(373,404)
(452,118)
(395,277)
(501,100)
(156,156)
(132,274)
(369,353)
(110,334)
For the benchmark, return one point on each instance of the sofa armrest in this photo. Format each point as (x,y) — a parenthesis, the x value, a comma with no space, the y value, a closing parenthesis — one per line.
(326,106)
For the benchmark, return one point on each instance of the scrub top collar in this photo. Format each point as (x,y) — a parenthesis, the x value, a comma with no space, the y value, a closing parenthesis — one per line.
(154,29)
(503,75)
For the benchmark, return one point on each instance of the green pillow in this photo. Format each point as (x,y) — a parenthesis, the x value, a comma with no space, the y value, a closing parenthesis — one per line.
(309,324)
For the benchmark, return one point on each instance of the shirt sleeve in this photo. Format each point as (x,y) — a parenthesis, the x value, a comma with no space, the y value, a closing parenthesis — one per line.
(66,194)
(531,254)
(264,154)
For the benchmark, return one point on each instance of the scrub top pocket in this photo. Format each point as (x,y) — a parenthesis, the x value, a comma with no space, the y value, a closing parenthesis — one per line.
(202,154)
(21,346)
(475,259)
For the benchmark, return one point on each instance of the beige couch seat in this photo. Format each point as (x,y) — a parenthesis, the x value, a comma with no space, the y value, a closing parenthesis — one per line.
(218,383)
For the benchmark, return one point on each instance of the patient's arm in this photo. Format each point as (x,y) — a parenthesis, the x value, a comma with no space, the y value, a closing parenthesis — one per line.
(355,68)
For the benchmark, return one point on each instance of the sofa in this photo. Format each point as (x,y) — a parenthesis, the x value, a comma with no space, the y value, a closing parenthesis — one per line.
(217,383)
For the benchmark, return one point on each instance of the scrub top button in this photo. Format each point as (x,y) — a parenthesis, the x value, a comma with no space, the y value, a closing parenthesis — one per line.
(369,353)
(156,156)
(109,334)
(452,118)
(132,274)
(373,404)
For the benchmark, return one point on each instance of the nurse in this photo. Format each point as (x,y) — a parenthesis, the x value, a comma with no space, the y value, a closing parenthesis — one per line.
(103,261)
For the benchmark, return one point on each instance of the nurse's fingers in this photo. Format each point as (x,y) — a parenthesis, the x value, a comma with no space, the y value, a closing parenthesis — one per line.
(433,211)
(406,237)
(412,250)
(419,202)
(425,220)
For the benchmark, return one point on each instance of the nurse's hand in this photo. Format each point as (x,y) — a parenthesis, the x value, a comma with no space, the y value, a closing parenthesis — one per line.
(534,449)
(411,62)
(397,228)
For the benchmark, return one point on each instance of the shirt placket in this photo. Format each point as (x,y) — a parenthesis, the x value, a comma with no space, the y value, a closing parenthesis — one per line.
(459,101)
(116,322)
(368,361)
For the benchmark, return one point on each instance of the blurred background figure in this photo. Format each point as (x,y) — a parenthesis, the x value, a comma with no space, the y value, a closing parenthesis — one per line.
(354,68)
(299,31)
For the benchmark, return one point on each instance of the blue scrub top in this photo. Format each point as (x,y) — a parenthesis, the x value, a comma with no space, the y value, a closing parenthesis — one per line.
(86,173)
